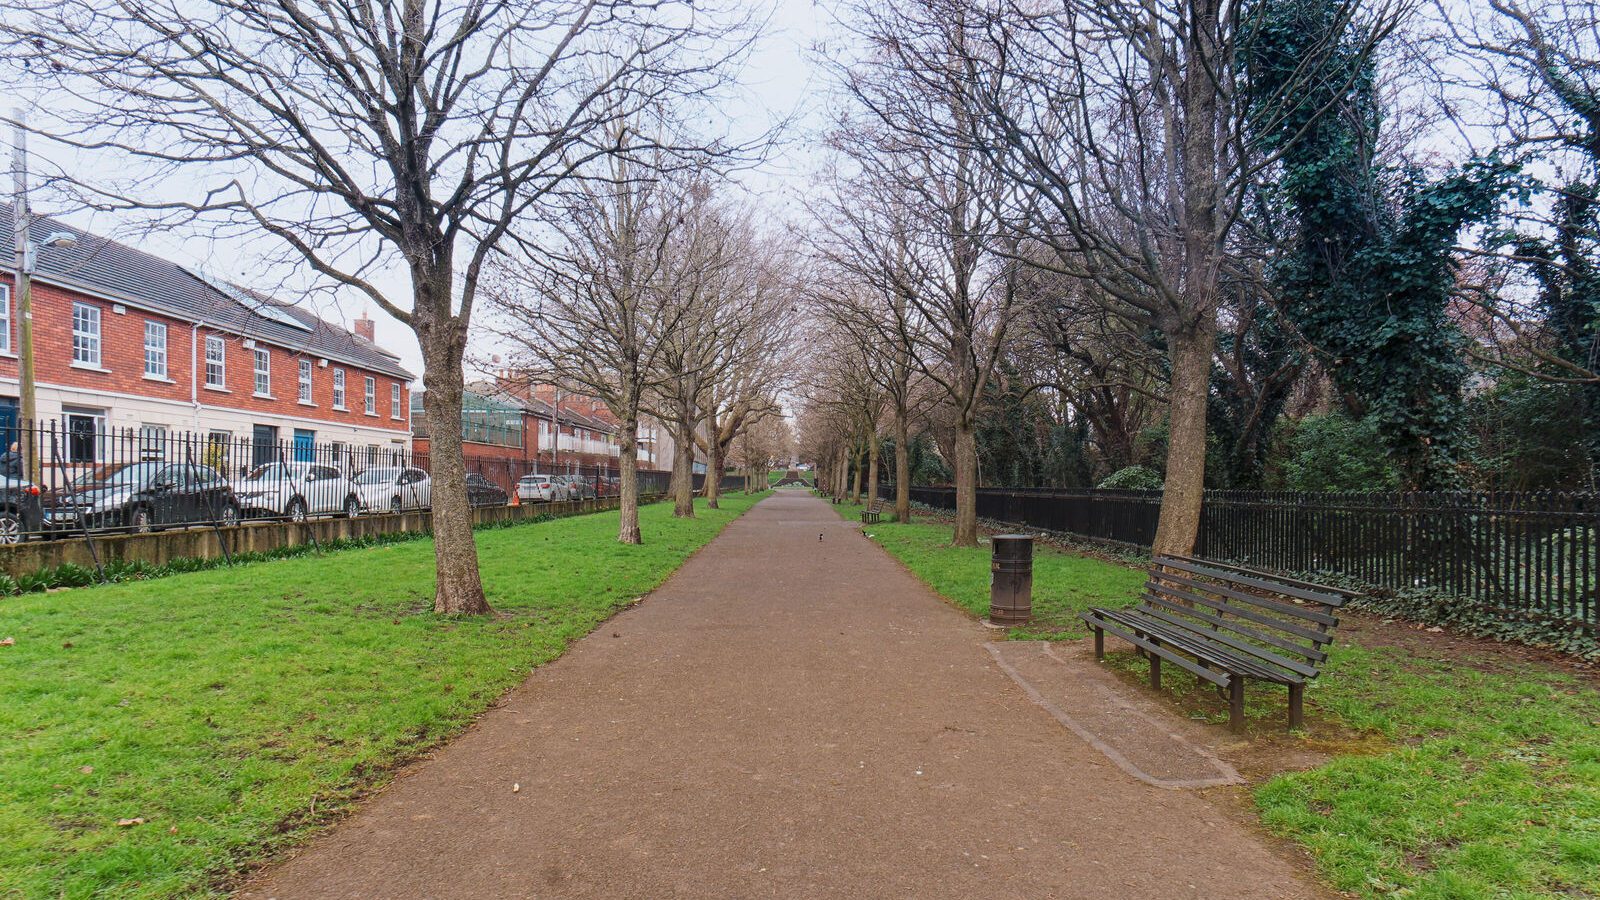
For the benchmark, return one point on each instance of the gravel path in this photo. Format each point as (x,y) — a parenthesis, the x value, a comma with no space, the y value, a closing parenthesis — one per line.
(786,717)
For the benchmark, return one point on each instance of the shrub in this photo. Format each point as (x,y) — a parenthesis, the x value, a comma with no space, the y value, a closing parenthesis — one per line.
(1133,478)
(1337,453)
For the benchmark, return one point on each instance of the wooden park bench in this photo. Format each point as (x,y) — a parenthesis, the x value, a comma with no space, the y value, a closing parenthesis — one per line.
(869,516)
(1226,624)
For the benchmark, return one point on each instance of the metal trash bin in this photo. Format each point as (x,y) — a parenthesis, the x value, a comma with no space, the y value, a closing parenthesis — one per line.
(1011,579)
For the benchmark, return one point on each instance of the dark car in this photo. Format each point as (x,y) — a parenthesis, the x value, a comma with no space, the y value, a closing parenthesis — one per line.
(143,496)
(579,487)
(20,511)
(483,492)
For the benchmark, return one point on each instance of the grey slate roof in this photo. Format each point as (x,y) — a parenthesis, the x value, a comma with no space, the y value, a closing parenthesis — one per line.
(102,266)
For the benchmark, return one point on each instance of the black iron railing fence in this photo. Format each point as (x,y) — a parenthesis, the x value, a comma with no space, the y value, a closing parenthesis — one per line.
(64,478)
(1523,552)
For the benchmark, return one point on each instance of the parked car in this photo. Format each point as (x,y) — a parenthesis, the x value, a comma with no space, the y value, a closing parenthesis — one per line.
(538,488)
(297,490)
(20,511)
(580,488)
(393,489)
(483,492)
(144,496)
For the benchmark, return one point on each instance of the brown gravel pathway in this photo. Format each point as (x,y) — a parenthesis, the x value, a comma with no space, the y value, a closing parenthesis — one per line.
(786,717)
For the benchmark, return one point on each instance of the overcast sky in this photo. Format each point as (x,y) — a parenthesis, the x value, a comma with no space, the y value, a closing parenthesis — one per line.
(779,82)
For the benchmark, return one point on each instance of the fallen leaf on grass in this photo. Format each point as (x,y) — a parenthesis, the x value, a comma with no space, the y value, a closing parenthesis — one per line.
(124,823)
(8,642)
(87,770)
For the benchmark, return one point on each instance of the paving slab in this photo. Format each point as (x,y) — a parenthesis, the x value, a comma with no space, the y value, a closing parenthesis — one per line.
(791,715)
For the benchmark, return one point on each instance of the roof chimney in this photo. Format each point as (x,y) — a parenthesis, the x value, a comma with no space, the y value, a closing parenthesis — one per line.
(366,328)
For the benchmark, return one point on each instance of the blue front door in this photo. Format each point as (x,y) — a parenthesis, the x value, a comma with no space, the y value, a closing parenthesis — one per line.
(304,442)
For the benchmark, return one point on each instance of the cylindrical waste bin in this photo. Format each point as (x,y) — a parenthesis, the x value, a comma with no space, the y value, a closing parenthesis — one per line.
(1011,579)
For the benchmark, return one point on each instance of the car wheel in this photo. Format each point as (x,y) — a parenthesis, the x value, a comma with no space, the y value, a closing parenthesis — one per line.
(230,515)
(352,507)
(395,506)
(296,510)
(141,520)
(10,528)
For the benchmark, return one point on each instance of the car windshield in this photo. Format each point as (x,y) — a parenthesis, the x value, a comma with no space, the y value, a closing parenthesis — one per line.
(119,475)
(377,476)
(270,472)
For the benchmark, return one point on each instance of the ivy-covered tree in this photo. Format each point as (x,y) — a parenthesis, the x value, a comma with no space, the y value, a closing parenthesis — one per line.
(1368,272)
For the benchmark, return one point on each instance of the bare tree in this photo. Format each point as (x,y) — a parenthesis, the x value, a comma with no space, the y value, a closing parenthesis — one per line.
(590,310)
(937,202)
(1125,125)
(368,138)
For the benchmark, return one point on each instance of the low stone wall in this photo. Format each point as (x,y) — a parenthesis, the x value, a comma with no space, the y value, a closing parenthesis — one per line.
(203,542)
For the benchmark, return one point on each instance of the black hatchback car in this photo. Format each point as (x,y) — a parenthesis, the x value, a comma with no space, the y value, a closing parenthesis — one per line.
(483,492)
(143,496)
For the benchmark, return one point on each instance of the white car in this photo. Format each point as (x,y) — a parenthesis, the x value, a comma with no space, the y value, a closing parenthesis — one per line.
(394,489)
(540,489)
(296,491)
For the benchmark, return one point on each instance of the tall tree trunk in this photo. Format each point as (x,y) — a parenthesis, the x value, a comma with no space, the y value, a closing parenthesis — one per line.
(966,534)
(1184,491)
(855,484)
(902,468)
(628,461)
(841,478)
(457,589)
(713,467)
(872,468)
(683,473)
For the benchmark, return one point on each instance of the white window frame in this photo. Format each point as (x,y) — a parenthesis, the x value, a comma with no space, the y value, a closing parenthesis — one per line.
(98,418)
(219,358)
(370,395)
(395,401)
(5,318)
(305,382)
(338,390)
(261,372)
(85,345)
(155,354)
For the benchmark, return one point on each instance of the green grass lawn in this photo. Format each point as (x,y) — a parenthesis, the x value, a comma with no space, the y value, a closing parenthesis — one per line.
(233,711)
(1469,776)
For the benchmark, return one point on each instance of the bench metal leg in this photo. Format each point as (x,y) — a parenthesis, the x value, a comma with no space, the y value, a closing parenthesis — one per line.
(1155,671)
(1099,643)
(1236,704)
(1297,712)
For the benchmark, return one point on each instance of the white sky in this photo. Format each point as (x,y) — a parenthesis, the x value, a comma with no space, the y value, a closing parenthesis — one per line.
(779,82)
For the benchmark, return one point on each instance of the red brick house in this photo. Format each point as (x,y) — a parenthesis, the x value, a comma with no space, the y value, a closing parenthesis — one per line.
(126,340)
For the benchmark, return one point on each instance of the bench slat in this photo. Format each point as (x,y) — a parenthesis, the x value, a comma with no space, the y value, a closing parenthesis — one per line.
(1221,679)
(1287,609)
(1265,583)
(1242,646)
(1346,593)
(1197,645)
(1223,606)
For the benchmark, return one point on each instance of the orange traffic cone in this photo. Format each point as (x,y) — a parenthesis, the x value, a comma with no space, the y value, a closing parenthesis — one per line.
(516,498)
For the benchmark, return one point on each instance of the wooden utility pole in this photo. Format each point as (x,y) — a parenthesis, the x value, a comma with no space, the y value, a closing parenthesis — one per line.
(28,412)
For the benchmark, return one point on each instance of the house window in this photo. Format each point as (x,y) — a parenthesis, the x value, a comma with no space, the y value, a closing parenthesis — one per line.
(152,442)
(338,389)
(216,363)
(371,396)
(217,453)
(5,318)
(394,401)
(86,334)
(263,372)
(155,350)
(85,432)
(305,381)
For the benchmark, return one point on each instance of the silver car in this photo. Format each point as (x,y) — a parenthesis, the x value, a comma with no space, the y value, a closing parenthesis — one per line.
(541,489)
